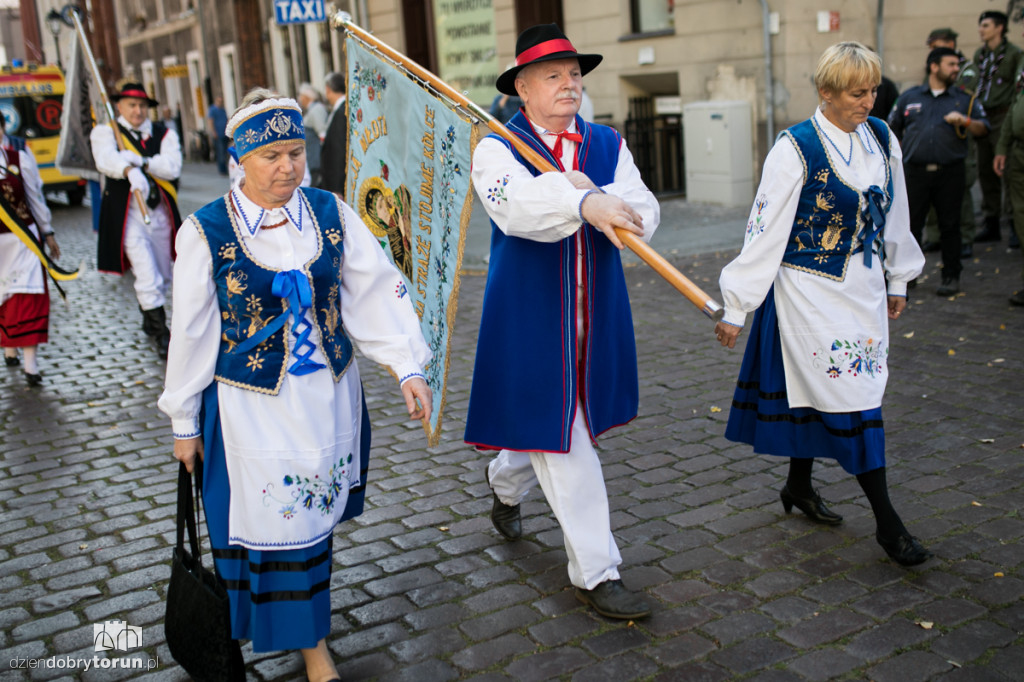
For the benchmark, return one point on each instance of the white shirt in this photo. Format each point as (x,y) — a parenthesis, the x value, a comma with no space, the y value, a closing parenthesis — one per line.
(816,312)
(546,208)
(20,269)
(313,420)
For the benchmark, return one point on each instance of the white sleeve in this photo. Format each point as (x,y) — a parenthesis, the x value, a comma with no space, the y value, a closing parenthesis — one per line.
(746,280)
(630,187)
(903,257)
(167,164)
(376,309)
(195,333)
(34,191)
(545,208)
(104,152)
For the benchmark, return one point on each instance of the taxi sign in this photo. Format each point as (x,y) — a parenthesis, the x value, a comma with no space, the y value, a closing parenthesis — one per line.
(298,11)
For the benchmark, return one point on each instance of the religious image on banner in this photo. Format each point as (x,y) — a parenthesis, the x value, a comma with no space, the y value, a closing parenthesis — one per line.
(408,179)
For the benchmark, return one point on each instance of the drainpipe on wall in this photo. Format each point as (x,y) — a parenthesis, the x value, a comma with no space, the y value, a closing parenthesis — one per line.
(879,31)
(769,84)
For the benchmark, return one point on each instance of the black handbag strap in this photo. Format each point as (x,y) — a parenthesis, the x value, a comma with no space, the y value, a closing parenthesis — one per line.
(187,512)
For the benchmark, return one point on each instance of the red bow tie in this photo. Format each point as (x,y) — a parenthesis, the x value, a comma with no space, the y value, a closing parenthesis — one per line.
(557,149)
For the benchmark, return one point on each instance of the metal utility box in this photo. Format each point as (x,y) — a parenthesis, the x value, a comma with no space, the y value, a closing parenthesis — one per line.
(718,151)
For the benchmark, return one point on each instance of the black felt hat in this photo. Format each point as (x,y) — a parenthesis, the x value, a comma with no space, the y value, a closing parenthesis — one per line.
(133,90)
(543,43)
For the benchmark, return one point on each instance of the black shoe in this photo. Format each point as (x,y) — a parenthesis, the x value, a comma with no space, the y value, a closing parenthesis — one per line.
(154,322)
(163,341)
(1017,298)
(905,550)
(1014,241)
(12,361)
(949,286)
(612,600)
(813,506)
(506,518)
(967,251)
(33,379)
(991,231)
(929,247)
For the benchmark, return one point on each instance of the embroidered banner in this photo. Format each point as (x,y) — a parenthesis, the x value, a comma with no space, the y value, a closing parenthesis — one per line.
(408,178)
(74,152)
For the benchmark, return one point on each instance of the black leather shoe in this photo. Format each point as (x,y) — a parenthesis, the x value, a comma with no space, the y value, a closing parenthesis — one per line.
(905,550)
(12,361)
(929,247)
(506,518)
(33,379)
(813,506)
(991,231)
(949,286)
(612,600)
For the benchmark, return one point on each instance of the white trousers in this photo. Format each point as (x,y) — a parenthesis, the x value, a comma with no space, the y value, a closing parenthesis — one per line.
(148,248)
(573,484)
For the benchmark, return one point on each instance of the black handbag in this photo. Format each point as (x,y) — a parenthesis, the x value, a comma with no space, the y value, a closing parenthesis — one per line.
(197,623)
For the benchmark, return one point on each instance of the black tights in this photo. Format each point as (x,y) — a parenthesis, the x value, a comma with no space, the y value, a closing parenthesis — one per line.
(871,482)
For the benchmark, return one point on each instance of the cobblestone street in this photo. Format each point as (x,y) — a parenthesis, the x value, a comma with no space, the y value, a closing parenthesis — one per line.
(425,590)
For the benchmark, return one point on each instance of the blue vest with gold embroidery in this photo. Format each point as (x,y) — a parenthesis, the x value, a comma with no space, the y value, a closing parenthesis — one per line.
(247,303)
(830,225)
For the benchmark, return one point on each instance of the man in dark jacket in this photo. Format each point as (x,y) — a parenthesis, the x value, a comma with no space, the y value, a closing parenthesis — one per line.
(333,155)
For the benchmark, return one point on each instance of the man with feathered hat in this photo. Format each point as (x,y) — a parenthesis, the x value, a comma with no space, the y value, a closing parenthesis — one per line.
(556,358)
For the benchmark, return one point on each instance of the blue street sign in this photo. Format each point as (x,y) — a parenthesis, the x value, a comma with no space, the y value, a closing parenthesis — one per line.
(298,11)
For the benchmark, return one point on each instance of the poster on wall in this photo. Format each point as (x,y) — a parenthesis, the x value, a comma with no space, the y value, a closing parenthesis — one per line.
(466,40)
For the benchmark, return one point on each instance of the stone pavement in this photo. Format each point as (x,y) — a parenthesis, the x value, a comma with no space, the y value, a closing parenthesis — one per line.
(424,589)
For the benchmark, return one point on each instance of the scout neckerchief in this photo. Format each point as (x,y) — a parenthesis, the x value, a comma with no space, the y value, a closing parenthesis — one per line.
(19,227)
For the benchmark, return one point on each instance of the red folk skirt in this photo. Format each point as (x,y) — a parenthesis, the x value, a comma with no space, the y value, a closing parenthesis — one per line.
(24,320)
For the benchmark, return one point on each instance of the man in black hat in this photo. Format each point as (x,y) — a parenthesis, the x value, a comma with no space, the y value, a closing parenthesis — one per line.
(150,162)
(931,122)
(556,357)
(999,64)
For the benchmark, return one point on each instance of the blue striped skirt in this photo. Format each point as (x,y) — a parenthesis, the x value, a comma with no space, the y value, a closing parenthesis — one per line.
(280,599)
(761,415)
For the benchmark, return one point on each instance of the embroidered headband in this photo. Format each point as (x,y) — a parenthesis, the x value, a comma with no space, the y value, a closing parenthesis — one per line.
(270,122)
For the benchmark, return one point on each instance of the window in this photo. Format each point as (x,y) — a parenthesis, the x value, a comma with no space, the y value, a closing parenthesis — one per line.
(651,16)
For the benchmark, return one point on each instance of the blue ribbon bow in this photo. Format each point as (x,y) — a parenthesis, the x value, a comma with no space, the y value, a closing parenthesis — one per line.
(875,220)
(293,285)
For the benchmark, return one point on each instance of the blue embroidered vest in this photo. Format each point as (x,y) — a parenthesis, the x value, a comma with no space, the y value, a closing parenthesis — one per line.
(247,303)
(830,225)
(528,372)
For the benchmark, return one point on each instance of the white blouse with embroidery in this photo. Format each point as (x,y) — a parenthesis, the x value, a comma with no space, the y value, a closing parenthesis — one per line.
(20,270)
(288,455)
(835,334)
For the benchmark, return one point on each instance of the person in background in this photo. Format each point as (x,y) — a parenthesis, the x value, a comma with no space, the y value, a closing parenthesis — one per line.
(217,119)
(273,286)
(968,82)
(24,300)
(999,63)
(586,107)
(1009,164)
(931,122)
(169,121)
(150,164)
(826,260)
(556,358)
(314,118)
(333,154)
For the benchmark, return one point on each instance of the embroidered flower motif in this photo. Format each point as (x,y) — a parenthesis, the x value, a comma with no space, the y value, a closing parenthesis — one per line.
(497,193)
(334,236)
(228,251)
(854,358)
(255,362)
(822,176)
(235,283)
(822,201)
(755,226)
(401,290)
(311,494)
